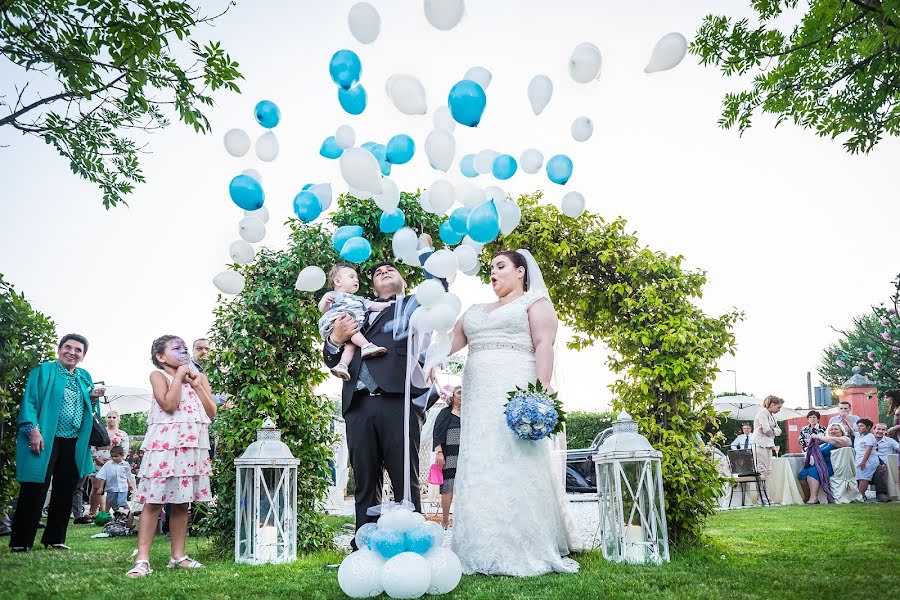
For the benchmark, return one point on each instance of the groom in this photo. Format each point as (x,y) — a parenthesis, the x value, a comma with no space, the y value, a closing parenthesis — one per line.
(372,400)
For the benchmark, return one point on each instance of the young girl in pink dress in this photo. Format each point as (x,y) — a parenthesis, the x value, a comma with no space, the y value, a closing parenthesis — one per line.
(176,465)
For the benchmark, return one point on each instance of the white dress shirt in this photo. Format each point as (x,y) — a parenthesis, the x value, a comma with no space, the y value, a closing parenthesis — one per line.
(744,440)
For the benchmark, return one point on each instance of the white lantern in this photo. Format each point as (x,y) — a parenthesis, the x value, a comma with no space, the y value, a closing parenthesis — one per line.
(265,528)
(630,494)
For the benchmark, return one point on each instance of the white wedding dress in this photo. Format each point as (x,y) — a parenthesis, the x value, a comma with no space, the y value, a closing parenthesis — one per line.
(511,516)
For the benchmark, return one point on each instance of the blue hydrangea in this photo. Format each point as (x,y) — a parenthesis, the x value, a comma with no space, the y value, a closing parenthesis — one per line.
(531,416)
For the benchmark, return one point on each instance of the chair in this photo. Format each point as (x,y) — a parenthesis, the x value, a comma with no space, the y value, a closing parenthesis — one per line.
(743,471)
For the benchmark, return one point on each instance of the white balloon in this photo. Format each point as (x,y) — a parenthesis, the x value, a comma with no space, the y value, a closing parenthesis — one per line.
(364,22)
(573,204)
(437,351)
(253,173)
(404,242)
(252,229)
(237,142)
(468,194)
(345,137)
(398,519)
(267,147)
(476,245)
(310,279)
(389,199)
(582,129)
(443,119)
(540,90)
(510,215)
(430,292)
(360,574)
(479,75)
(441,263)
(466,257)
(440,196)
(362,195)
(531,161)
(446,570)
(452,278)
(440,147)
(585,63)
(229,282)
(444,14)
(407,93)
(323,193)
(441,317)
(360,169)
(261,213)
(484,161)
(241,252)
(424,202)
(453,301)
(495,193)
(667,53)
(474,271)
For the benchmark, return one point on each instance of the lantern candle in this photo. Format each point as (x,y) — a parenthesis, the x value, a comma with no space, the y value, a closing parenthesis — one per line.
(635,549)
(267,543)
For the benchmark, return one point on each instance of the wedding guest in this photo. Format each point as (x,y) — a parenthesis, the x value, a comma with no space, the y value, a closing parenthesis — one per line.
(200,352)
(884,445)
(446,447)
(114,478)
(812,417)
(866,461)
(765,430)
(845,418)
(117,437)
(892,397)
(55,422)
(744,440)
(833,439)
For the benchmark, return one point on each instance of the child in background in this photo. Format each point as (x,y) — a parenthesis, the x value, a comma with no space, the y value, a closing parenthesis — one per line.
(115,479)
(176,465)
(342,301)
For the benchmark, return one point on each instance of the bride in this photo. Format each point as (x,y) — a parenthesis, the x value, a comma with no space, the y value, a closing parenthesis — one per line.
(511,515)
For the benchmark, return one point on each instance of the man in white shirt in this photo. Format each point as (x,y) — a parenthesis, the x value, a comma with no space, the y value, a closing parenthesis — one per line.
(883,446)
(744,439)
(845,418)
(866,459)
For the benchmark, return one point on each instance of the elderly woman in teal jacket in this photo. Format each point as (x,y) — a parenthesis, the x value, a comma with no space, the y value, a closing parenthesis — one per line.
(55,422)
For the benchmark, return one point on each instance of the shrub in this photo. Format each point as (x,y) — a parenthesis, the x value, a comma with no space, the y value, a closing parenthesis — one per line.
(583,427)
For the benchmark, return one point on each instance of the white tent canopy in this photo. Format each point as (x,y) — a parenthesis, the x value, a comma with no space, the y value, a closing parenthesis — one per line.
(125,400)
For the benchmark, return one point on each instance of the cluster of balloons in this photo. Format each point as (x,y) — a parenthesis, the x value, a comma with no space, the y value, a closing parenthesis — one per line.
(312,201)
(401,556)
(345,69)
(251,229)
(237,141)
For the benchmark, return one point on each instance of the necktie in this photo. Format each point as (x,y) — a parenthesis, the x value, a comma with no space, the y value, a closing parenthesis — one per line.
(388,299)
(746,442)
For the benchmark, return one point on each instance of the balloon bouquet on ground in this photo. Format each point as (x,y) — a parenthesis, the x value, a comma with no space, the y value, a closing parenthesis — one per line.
(402,554)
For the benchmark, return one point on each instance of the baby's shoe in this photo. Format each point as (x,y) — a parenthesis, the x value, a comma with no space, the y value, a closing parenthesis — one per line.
(370,350)
(341,372)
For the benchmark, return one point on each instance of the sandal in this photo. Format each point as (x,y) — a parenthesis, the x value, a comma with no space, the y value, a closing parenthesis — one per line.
(185,562)
(141,568)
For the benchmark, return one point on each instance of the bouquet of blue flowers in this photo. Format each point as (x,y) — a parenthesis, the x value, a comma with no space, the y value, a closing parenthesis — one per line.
(533,414)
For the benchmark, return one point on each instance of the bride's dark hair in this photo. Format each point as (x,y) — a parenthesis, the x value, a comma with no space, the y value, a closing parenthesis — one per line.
(518,261)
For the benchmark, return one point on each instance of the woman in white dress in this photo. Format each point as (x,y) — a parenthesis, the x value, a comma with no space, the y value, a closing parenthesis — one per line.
(511,516)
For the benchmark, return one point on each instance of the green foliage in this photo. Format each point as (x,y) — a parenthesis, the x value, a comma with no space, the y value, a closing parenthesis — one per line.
(582,427)
(134,423)
(27,338)
(876,332)
(268,357)
(111,72)
(836,72)
(641,304)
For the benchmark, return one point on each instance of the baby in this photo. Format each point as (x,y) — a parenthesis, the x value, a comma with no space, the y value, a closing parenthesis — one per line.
(342,301)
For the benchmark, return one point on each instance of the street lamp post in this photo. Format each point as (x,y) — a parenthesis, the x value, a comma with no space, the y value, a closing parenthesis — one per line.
(733,372)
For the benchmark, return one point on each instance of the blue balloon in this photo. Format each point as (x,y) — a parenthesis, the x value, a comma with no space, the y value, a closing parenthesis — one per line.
(246,192)
(559,169)
(385,168)
(306,187)
(356,250)
(448,234)
(307,206)
(330,149)
(345,68)
(392,221)
(400,149)
(459,219)
(353,100)
(267,113)
(344,233)
(467,101)
(386,543)
(364,533)
(467,165)
(379,151)
(368,145)
(418,539)
(484,223)
(504,166)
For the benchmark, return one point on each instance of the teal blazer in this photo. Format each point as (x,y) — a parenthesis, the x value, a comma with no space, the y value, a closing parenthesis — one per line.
(43,398)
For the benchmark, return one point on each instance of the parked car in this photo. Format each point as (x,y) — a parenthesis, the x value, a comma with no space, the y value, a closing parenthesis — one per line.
(580,474)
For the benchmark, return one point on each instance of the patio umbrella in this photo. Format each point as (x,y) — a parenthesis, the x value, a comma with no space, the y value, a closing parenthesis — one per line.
(125,400)
(744,408)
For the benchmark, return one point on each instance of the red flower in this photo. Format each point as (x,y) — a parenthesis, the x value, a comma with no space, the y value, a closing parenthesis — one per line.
(185,483)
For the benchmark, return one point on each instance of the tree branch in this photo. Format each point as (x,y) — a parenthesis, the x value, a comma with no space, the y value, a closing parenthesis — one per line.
(11,118)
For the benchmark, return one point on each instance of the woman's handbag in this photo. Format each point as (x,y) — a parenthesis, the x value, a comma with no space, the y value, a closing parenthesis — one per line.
(436,474)
(99,436)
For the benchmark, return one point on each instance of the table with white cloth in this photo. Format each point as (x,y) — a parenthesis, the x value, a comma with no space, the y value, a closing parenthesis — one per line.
(784,488)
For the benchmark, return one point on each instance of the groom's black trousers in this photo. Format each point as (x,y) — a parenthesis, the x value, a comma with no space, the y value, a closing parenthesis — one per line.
(375,439)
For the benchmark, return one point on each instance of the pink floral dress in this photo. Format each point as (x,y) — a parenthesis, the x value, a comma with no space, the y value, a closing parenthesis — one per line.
(176,464)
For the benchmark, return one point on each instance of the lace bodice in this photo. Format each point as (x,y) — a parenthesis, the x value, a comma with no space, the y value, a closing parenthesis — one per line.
(503,327)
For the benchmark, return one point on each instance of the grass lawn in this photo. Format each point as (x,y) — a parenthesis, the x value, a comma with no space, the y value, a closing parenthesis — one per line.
(847,551)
